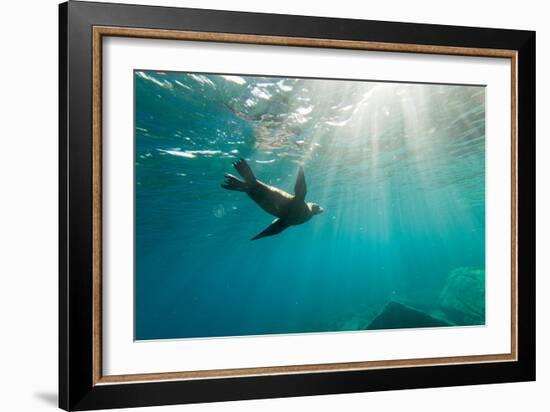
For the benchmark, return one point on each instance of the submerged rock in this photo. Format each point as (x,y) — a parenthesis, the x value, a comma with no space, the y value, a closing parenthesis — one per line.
(397,316)
(463,297)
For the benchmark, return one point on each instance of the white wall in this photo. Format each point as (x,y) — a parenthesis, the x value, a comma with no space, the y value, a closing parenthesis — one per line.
(28,203)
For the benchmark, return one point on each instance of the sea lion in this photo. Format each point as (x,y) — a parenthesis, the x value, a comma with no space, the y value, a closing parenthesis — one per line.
(290,210)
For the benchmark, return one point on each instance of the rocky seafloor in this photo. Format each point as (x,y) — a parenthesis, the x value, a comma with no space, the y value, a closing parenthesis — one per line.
(461,302)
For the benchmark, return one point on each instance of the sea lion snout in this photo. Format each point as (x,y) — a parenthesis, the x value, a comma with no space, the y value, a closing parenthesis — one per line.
(316,209)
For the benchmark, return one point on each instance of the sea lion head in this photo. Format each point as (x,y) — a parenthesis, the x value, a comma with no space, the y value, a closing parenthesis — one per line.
(315,209)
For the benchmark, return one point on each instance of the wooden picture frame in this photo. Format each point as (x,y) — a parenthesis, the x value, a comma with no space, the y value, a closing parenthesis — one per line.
(82,384)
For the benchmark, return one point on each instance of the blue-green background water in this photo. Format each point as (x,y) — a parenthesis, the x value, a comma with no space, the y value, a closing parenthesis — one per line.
(398,168)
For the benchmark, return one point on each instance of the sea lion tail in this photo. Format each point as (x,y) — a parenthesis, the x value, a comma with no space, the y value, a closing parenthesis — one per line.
(233,183)
(245,171)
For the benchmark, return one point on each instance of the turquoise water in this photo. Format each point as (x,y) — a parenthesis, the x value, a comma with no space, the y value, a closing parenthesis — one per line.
(398,168)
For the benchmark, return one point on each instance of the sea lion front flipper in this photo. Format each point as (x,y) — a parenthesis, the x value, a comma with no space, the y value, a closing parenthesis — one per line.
(276,227)
(300,188)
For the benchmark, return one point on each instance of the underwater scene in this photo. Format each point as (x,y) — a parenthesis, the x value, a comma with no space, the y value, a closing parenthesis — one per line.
(270,205)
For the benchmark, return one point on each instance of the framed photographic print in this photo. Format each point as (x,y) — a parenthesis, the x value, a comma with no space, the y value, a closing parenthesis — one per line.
(257,205)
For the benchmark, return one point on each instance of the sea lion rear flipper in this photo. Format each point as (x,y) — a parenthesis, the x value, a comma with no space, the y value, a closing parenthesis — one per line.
(274,228)
(244,170)
(232,183)
(300,188)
